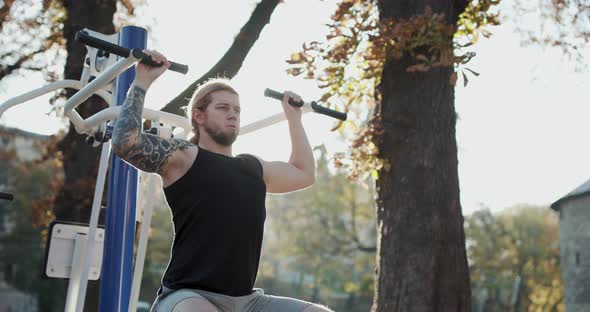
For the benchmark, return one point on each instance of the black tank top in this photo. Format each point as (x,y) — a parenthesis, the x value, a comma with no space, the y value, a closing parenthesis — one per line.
(218,211)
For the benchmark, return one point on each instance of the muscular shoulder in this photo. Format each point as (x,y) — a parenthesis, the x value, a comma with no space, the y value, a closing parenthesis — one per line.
(283,177)
(253,162)
(179,162)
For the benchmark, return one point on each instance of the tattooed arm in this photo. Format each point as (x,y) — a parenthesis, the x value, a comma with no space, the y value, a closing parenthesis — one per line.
(145,151)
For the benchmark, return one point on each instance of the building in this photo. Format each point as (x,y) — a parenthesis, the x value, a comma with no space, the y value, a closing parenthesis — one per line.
(27,145)
(574,242)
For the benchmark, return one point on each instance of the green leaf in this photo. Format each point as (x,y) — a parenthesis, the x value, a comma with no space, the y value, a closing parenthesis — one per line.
(296,71)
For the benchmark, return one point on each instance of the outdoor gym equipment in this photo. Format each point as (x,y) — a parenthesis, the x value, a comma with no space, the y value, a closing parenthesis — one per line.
(80,252)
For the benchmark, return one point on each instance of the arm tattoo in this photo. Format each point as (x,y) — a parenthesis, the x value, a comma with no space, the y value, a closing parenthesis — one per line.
(145,151)
(153,152)
(128,125)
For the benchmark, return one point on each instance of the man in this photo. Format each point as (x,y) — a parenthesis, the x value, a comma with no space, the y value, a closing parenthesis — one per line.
(217,200)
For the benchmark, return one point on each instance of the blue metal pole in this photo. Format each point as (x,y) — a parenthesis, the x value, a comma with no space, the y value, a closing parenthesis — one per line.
(117,270)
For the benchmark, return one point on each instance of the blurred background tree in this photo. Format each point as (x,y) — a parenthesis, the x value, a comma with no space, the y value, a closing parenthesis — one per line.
(23,224)
(514,259)
(322,240)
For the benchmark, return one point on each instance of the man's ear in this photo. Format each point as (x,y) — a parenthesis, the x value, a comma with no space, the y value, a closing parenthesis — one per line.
(199,116)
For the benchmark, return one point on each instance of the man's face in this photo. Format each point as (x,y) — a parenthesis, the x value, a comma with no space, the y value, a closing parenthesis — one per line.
(221,119)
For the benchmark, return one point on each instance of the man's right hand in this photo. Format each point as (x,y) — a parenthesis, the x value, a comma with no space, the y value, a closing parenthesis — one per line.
(145,74)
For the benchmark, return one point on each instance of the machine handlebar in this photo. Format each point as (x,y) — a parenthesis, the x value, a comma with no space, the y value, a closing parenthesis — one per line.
(315,106)
(6,196)
(87,39)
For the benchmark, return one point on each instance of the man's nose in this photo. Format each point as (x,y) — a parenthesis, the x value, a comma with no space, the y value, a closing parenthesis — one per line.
(232,115)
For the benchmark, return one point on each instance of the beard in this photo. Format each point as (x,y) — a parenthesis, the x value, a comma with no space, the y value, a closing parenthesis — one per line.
(221,138)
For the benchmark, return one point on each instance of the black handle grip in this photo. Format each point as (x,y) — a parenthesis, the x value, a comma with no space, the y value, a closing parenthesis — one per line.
(146,59)
(279,96)
(328,112)
(315,106)
(87,39)
(6,196)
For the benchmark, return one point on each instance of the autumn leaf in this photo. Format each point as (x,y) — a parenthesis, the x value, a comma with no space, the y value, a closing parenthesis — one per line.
(465,79)
(295,71)
(297,58)
(326,96)
(453,79)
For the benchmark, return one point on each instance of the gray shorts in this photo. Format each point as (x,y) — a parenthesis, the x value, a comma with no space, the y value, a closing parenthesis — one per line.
(254,302)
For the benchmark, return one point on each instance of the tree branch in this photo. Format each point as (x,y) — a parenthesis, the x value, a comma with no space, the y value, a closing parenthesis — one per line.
(129,6)
(8,69)
(4,11)
(33,68)
(231,62)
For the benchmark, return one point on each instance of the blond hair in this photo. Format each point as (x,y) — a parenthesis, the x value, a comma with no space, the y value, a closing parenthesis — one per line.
(202,98)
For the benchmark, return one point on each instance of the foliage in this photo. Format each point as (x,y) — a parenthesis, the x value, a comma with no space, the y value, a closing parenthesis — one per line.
(348,64)
(514,259)
(322,240)
(31,37)
(160,243)
(23,242)
(562,23)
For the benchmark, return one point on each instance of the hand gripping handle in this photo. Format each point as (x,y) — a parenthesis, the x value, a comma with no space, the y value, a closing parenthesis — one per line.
(85,38)
(315,106)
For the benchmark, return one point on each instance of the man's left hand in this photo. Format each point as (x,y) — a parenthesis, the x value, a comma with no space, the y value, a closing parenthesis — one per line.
(291,112)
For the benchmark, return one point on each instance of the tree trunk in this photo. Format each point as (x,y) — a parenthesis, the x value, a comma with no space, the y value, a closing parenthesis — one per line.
(74,202)
(80,159)
(422,263)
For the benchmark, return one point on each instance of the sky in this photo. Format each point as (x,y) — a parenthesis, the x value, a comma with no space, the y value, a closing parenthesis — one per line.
(522,123)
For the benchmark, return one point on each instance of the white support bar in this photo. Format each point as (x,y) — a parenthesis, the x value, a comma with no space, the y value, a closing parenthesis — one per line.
(112,112)
(148,207)
(82,279)
(103,79)
(257,125)
(71,84)
(90,123)
(73,285)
